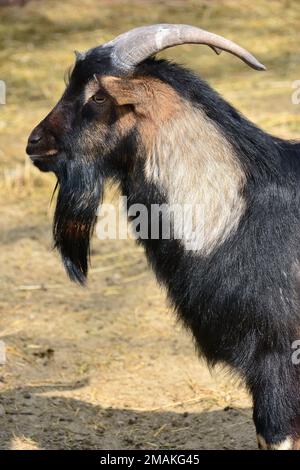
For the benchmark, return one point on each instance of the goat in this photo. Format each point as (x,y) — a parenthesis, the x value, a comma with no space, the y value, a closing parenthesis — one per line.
(166,137)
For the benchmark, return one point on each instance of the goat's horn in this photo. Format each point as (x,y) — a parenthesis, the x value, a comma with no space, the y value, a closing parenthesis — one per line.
(131,48)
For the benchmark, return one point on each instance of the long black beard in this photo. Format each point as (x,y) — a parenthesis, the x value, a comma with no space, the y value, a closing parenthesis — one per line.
(80,191)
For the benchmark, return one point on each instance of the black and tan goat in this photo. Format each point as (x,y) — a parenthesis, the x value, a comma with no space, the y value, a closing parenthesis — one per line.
(168,138)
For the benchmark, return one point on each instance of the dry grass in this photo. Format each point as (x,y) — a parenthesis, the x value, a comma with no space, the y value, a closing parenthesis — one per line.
(121,372)
(38,42)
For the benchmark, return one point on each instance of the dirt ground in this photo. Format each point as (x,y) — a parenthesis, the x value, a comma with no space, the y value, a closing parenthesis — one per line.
(107,366)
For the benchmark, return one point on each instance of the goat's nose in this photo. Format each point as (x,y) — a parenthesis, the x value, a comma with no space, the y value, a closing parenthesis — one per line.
(35,137)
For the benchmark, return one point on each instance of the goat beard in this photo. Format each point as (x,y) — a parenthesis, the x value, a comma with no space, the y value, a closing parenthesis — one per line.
(80,190)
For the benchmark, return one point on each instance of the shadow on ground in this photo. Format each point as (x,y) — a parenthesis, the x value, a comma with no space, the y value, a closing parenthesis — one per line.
(35,420)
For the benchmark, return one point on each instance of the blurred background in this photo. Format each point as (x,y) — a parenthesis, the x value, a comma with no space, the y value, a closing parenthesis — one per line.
(107,366)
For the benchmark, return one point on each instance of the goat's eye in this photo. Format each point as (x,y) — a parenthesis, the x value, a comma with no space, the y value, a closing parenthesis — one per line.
(99,99)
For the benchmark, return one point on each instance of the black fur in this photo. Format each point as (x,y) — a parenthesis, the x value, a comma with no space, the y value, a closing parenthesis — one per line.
(80,191)
(242,302)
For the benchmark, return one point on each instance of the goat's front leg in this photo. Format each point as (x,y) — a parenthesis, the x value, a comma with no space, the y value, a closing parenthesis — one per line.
(275,386)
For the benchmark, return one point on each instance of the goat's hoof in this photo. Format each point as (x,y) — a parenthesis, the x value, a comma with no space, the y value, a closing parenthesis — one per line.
(288,444)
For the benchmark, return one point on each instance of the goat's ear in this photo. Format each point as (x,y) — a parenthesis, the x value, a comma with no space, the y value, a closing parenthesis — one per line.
(126,91)
(149,96)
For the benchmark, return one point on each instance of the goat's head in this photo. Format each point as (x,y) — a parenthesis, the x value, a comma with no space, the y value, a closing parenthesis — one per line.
(112,100)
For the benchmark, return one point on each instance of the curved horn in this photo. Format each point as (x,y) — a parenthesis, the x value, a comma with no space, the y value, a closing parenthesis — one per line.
(131,48)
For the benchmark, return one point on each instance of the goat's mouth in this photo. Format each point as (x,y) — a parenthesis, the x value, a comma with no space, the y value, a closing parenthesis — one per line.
(44,161)
(41,155)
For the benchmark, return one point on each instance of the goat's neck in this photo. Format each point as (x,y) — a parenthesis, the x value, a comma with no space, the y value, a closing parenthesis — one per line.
(192,163)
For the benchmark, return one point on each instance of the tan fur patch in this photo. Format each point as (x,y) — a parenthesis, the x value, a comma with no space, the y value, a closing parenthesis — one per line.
(194,164)
(296,445)
(145,93)
(51,152)
(287,444)
(153,102)
(126,120)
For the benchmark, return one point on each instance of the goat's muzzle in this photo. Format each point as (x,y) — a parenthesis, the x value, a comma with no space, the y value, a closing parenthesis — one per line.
(42,148)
